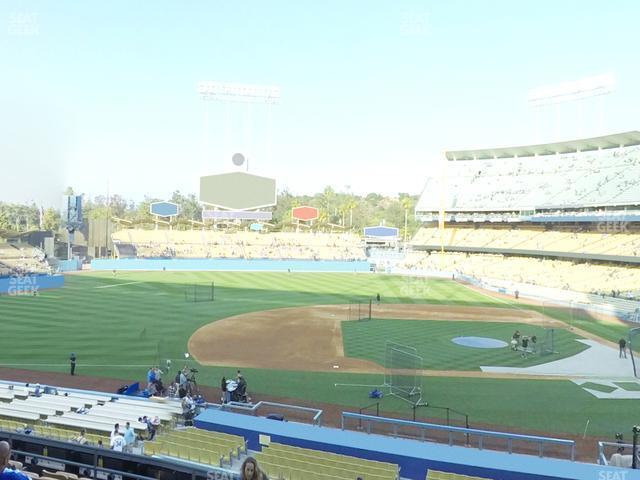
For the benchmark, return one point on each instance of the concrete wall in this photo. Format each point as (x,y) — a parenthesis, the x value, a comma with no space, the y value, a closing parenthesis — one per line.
(415,458)
(70,265)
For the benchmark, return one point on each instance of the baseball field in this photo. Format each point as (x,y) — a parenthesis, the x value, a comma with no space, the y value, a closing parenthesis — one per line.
(296,335)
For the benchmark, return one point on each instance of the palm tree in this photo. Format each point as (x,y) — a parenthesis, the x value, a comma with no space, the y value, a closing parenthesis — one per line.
(351,204)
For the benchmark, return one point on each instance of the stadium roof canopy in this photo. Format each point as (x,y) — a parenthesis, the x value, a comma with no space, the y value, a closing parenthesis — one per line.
(583,145)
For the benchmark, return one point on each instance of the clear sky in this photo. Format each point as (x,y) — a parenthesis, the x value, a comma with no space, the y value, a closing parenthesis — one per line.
(96,94)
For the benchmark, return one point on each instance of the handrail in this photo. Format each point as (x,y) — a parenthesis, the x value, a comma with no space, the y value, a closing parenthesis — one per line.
(467,431)
(602,457)
(375,404)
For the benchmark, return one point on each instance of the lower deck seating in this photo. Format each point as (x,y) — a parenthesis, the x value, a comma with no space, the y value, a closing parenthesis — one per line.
(436,475)
(567,275)
(196,445)
(293,463)
(63,434)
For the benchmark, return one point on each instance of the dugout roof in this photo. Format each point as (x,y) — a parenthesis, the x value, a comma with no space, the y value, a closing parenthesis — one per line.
(625,139)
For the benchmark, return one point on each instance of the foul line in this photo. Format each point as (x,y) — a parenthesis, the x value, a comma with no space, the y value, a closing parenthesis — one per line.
(506,302)
(117,285)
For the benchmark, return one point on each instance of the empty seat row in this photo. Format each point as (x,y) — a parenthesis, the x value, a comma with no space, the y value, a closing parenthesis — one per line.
(331,463)
(436,475)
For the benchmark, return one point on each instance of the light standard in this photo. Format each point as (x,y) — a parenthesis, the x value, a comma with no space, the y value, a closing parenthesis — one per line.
(238,93)
(575,91)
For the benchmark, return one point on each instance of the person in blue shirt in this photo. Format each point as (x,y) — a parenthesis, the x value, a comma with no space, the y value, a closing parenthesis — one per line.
(5,472)
(151,376)
(129,437)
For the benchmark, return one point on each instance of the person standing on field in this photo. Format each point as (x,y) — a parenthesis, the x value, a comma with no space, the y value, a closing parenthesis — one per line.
(72,362)
(622,343)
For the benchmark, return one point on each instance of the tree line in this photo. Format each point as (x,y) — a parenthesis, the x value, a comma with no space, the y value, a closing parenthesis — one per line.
(337,211)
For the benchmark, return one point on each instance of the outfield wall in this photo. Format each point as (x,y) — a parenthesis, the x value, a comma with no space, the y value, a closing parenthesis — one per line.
(29,284)
(231,264)
(415,458)
(72,265)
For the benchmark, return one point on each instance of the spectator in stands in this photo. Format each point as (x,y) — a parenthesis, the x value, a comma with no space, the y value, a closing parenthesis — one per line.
(152,426)
(251,471)
(81,439)
(129,437)
(188,409)
(622,343)
(115,431)
(7,473)
(143,420)
(118,442)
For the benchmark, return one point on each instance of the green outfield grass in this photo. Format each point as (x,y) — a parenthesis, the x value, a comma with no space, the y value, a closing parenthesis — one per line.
(120,325)
(433,342)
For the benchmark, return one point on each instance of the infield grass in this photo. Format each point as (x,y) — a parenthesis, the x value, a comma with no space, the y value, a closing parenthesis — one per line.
(433,342)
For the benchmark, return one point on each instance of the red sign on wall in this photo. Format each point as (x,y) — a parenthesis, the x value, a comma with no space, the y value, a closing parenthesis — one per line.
(305,213)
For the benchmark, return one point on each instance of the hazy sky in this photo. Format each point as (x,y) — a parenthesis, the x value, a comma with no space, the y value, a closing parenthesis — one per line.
(104,93)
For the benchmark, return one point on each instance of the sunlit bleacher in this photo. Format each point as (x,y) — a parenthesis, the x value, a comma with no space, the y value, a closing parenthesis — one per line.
(584,173)
(568,240)
(438,475)
(247,245)
(62,416)
(196,445)
(567,275)
(21,259)
(295,463)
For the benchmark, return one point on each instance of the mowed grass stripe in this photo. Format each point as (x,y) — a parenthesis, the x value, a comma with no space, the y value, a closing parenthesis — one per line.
(433,341)
(133,325)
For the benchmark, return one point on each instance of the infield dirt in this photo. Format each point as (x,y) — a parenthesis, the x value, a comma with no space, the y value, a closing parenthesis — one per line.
(310,338)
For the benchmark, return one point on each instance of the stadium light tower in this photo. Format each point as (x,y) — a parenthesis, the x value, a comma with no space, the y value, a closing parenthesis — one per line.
(566,92)
(237,93)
